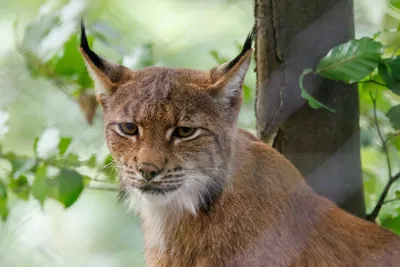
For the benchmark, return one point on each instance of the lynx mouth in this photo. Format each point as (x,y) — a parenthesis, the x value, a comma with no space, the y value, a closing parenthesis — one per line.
(158,190)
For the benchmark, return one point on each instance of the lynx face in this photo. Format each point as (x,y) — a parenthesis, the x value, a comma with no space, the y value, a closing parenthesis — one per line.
(169,137)
(170,131)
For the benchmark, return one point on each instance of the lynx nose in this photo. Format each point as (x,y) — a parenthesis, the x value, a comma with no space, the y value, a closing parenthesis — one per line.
(148,171)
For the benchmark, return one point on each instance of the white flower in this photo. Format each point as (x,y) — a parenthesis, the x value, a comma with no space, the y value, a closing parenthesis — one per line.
(71,11)
(55,40)
(4,117)
(47,145)
(60,33)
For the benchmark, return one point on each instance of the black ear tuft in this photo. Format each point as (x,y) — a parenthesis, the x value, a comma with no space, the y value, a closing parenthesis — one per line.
(246,47)
(85,47)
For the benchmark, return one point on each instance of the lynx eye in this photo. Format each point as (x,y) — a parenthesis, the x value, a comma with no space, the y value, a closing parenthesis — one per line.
(128,128)
(183,132)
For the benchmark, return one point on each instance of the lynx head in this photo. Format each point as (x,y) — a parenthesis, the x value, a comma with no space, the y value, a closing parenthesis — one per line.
(170,131)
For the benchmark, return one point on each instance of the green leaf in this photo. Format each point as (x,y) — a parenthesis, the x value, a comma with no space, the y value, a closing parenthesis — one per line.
(314,103)
(39,184)
(351,61)
(64,144)
(20,187)
(71,63)
(394,116)
(395,3)
(391,74)
(384,71)
(92,162)
(392,223)
(395,141)
(70,186)
(108,160)
(86,180)
(84,80)
(394,65)
(376,35)
(397,193)
(3,201)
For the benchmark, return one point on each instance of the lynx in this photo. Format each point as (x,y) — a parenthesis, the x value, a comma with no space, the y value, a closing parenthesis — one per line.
(209,193)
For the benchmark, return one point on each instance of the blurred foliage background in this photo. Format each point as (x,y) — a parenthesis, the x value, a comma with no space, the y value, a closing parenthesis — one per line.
(49,125)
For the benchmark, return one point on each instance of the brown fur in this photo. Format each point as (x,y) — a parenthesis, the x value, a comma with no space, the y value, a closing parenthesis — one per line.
(260,211)
(272,218)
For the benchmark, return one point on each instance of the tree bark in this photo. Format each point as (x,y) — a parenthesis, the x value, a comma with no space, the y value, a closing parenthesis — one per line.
(324,146)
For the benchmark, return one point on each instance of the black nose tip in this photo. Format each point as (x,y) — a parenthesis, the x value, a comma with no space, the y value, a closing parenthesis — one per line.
(148,171)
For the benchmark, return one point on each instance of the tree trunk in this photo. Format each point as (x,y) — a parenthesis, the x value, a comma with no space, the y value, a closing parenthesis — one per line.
(324,146)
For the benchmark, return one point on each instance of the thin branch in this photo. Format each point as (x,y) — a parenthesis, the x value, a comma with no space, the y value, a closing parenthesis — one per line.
(395,178)
(111,189)
(96,179)
(375,82)
(391,200)
(378,83)
(378,128)
(372,216)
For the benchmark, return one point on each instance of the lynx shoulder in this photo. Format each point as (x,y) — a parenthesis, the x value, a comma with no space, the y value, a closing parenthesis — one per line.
(208,193)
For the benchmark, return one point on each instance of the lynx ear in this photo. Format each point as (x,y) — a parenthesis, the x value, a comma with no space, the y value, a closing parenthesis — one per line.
(107,75)
(228,78)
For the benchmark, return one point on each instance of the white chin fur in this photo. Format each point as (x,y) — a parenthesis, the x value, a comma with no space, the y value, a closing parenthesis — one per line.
(188,197)
(156,209)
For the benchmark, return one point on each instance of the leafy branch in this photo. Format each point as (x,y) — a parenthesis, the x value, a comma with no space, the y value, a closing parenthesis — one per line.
(63,64)
(362,61)
(52,172)
(64,183)
(372,216)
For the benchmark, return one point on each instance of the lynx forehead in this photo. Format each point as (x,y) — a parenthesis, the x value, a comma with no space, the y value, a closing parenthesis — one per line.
(170,130)
(153,95)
